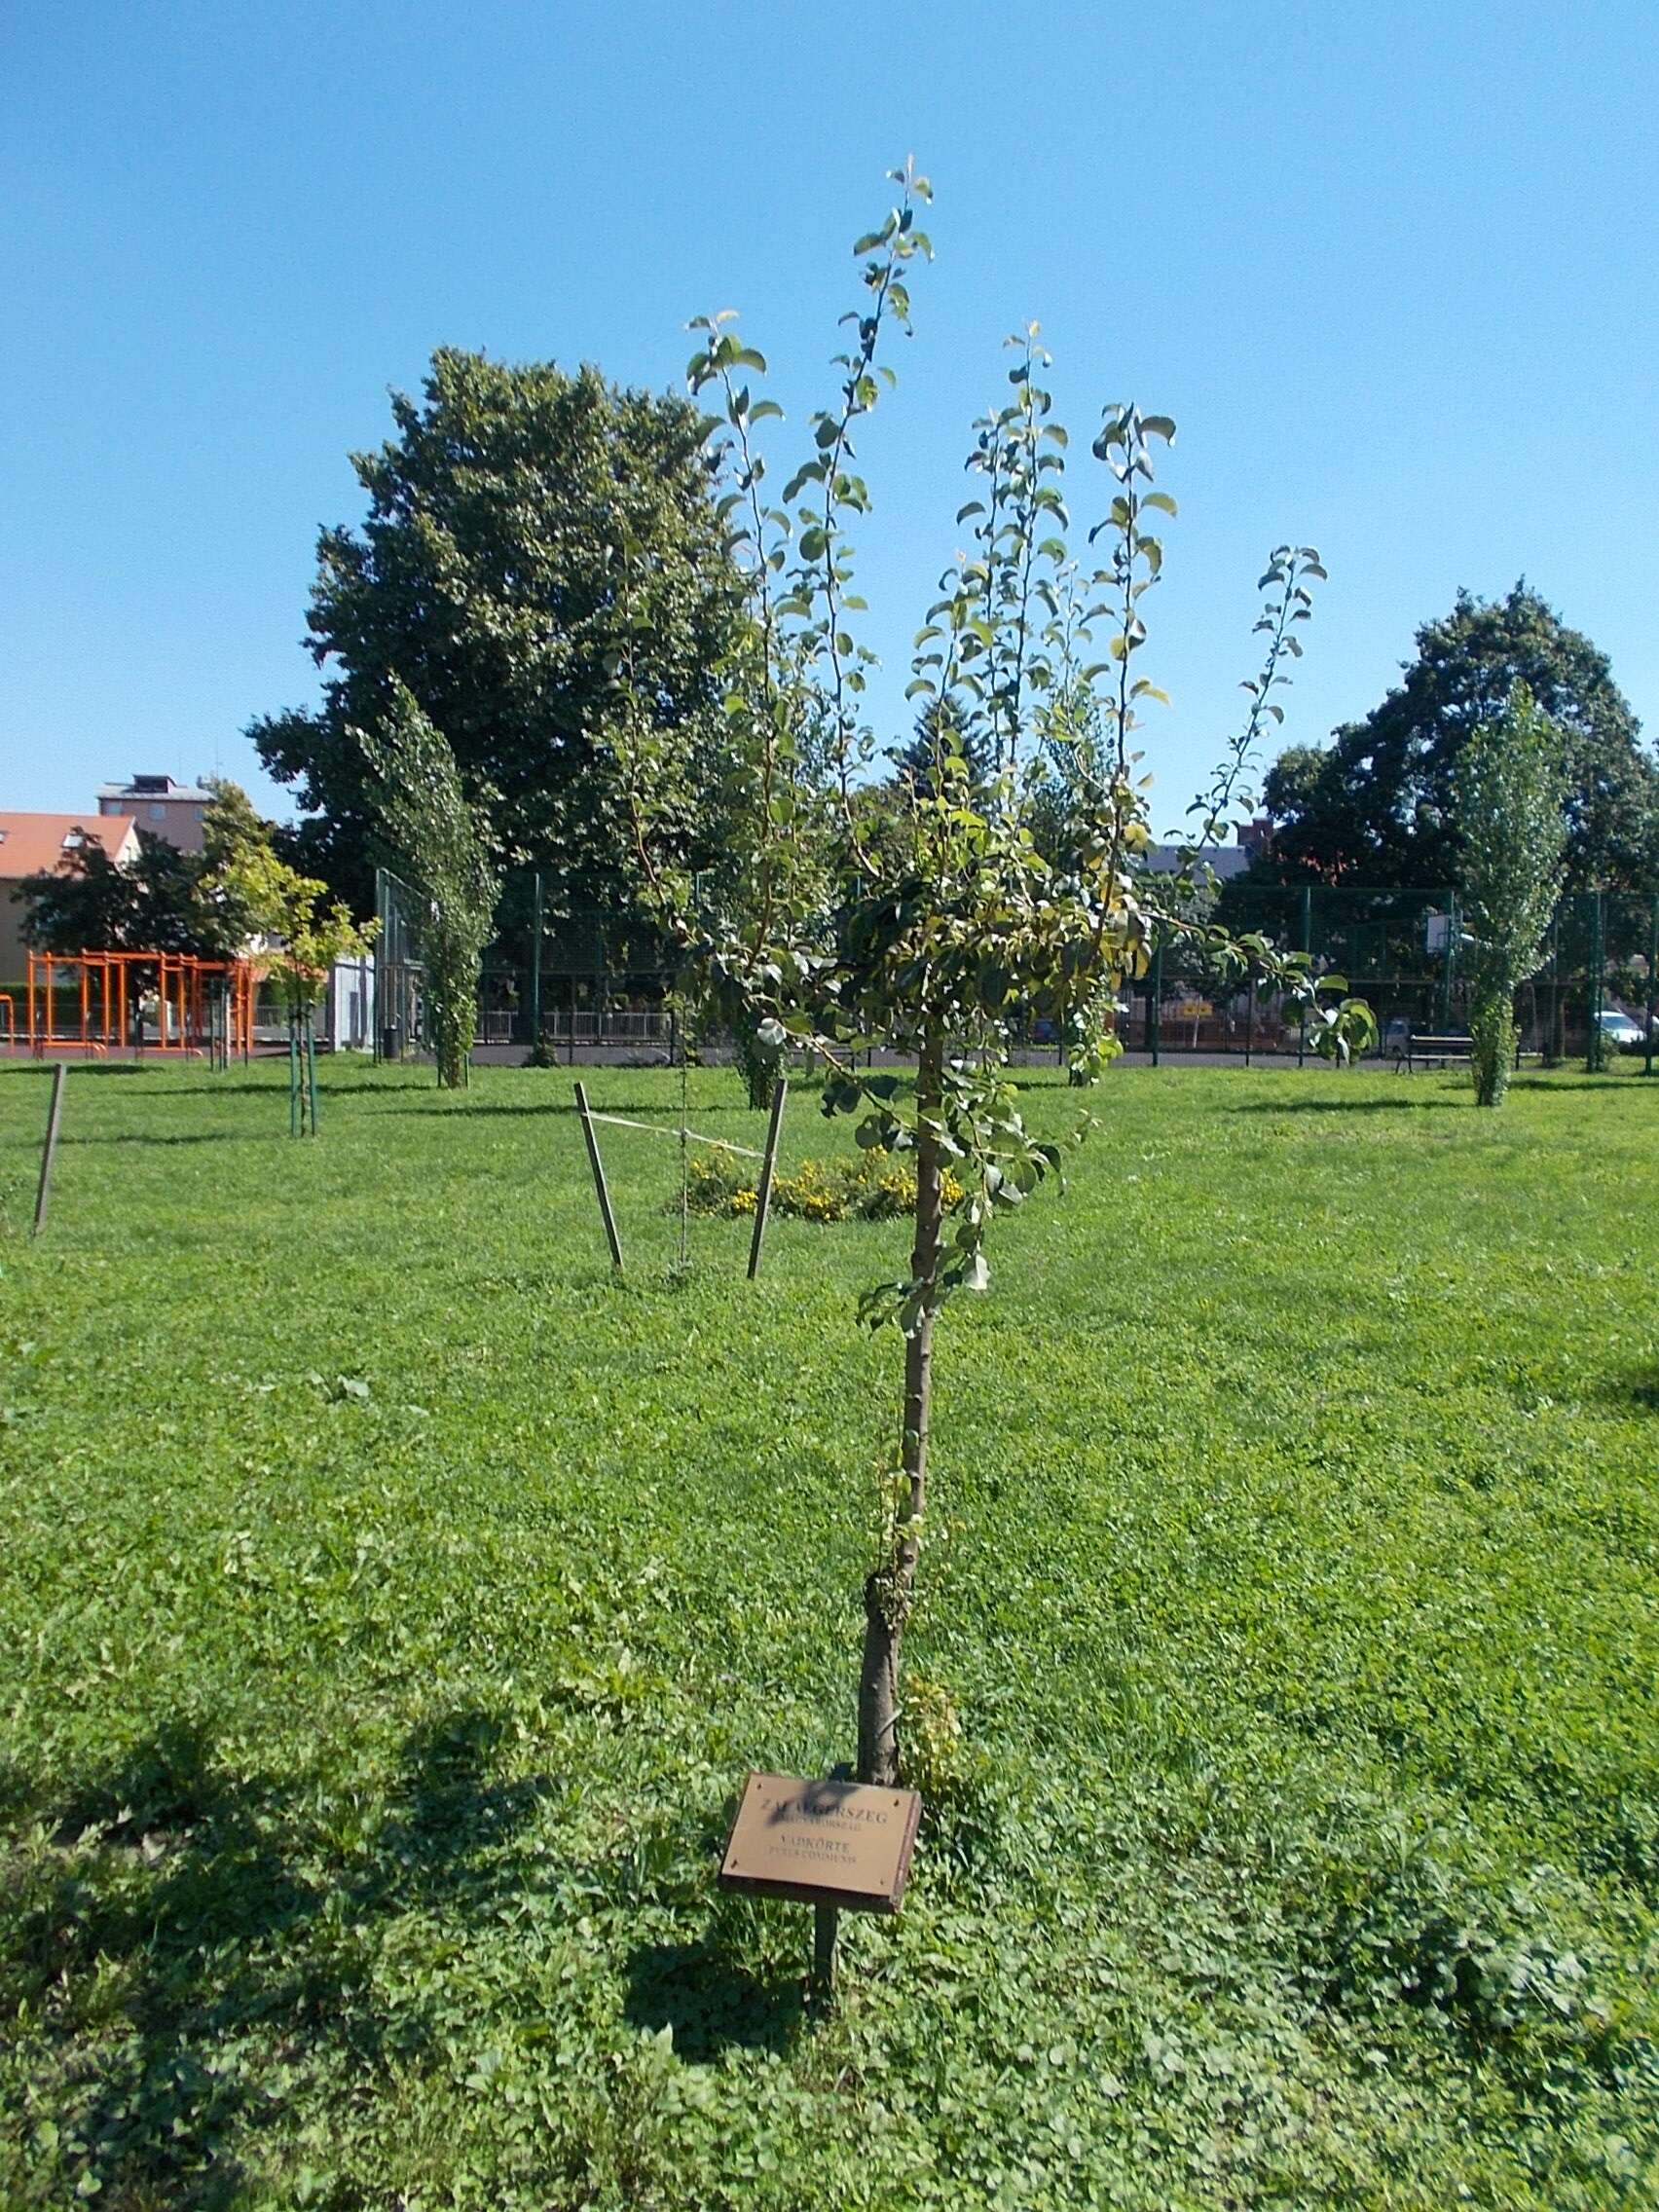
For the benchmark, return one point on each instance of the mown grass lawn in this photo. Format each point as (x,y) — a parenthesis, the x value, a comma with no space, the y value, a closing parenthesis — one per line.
(390,1603)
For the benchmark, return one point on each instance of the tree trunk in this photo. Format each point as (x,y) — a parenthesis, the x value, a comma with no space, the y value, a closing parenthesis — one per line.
(890,1588)
(1492,1026)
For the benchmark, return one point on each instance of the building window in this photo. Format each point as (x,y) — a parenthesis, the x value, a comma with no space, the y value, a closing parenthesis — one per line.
(158,814)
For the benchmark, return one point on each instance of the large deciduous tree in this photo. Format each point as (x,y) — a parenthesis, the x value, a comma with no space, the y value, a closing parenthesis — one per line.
(487,578)
(1510,791)
(440,843)
(90,903)
(1379,804)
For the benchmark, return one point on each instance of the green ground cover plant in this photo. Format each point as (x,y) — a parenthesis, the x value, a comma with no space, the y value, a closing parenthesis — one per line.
(391,1601)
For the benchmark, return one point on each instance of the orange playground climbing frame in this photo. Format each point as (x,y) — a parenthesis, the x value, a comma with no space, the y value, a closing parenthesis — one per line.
(116,997)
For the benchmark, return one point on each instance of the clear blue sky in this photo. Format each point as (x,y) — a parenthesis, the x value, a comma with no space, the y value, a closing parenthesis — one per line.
(1393,270)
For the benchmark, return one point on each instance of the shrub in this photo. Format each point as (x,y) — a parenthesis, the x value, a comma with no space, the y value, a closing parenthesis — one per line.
(874,1186)
(932,1754)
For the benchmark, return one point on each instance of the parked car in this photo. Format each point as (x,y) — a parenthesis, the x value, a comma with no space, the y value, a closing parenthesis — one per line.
(1621,1030)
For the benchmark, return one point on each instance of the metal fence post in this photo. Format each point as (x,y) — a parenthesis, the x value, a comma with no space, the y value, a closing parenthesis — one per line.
(1595,1045)
(1443,1018)
(535,969)
(1652,963)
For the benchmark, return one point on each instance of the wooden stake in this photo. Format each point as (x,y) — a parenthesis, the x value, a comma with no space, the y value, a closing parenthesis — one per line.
(614,1241)
(763,1195)
(49,1152)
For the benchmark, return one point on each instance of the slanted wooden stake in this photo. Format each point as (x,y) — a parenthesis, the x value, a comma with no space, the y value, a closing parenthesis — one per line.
(49,1152)
(615,1242)
(763,1195)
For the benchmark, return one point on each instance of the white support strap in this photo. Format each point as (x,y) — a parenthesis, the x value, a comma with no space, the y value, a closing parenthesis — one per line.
(652,1130)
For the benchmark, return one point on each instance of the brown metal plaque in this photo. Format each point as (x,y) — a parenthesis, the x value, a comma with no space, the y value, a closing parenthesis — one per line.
(839,1843)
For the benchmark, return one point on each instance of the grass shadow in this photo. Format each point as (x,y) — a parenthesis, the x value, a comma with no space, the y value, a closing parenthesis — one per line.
(172,1920)
(450,1103)
(451,1817)
(1410,1103)
(172,1888)
(179,1136)
(711,2000)
(1550,1080)
(224,1088)
(26,1065)
(442,1103)
(1639,1392)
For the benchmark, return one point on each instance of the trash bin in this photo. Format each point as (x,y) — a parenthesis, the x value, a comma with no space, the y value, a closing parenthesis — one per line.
(392,1041)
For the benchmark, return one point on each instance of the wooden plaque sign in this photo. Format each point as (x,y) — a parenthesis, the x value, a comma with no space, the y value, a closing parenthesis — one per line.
(836,1843)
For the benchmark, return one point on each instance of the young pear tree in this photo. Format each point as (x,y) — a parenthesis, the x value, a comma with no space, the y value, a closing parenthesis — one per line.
(442,844)
(308,933)
(931,940)
(1511,792)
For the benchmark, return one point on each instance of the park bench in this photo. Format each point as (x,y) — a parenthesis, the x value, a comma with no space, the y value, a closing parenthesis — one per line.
(1445,1051)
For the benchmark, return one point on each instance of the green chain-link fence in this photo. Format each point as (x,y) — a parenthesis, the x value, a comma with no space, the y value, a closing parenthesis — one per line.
(579,983)
(589,983)
(1407,953)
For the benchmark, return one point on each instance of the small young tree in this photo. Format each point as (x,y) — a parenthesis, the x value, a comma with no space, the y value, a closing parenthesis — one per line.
(442,844)
(1511,799)
(308,938)
(942,920)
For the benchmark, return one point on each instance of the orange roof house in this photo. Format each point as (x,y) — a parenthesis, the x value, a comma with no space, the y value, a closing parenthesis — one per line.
(31,844)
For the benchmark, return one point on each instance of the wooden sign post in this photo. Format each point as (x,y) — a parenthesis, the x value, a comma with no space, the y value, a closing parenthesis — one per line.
(838,1846)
